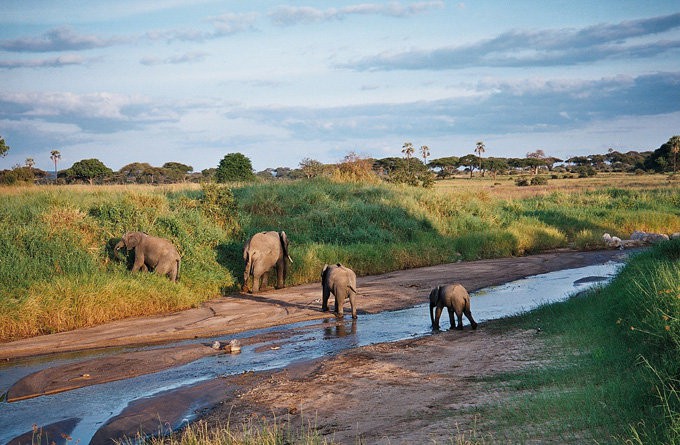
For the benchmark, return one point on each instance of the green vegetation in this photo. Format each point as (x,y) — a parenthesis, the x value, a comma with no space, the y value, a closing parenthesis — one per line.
(58,271)
(615,367)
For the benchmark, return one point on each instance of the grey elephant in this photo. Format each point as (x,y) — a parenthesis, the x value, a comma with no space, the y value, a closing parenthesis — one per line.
(342,282)
(262,252)
(456,300)
(152,253)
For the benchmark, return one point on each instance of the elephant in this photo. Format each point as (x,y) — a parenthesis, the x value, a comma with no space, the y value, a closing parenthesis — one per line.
(157,254)
(342,281)
(261,253)
(456,299)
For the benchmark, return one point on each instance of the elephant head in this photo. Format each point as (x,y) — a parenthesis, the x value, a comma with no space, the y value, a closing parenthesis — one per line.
(130,240)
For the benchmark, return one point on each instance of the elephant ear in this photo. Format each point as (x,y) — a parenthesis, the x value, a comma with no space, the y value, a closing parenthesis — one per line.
(284,244)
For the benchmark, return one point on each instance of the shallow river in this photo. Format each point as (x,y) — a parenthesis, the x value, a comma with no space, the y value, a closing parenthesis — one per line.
(90,407)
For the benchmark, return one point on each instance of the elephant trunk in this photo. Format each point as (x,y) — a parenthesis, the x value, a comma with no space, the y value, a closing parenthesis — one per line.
(120,245)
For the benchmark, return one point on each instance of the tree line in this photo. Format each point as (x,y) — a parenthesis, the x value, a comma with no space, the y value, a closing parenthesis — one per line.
(407,169)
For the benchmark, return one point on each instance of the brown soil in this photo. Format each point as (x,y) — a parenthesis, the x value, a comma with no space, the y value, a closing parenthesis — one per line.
(404,392)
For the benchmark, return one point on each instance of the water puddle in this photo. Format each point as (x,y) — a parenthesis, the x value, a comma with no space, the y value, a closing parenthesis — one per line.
(272,348)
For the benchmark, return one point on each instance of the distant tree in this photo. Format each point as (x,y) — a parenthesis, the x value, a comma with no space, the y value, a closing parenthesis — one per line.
(88,169)
(29,162)
(4,148)
(534,164)
(425,153)
(208,174)
(141,172)
(55,156)
(470,161)
(674,142)
(408,151)
(664,158)
(447,166)
(311,168)
(535,160)
(234,167)
(355,168)
(176,171)
(479,150)
(495,165)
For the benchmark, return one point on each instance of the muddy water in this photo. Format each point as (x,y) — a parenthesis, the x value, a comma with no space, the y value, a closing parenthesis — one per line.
(89,408)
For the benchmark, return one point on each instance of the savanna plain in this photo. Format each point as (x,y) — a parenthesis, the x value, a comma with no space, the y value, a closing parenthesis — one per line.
(604,367)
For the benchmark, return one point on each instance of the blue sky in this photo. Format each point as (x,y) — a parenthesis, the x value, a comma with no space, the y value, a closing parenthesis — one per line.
(191,81)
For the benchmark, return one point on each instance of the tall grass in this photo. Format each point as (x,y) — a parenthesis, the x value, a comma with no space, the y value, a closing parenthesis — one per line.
(615,376)
(58,270)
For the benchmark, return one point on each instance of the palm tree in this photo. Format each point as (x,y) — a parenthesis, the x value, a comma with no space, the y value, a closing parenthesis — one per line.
(55,156)
(408,150)
(425,152)
(479,150)
(675,149)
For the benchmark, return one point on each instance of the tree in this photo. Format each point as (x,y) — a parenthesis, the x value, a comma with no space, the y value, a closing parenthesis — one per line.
(447,166)
(311,168)
(29,163)
(176,171)
(495,165)
(88,169)
(425,153)
(674,142)
(535,160)
(55,156)
(234,167)
(479,149)
(408,151)
(469,161)
(664,157)
(4,148)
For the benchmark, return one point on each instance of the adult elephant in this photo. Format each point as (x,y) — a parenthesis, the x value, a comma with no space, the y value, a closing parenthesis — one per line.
(262,252)
(456,300)
(152,253)
(342,282)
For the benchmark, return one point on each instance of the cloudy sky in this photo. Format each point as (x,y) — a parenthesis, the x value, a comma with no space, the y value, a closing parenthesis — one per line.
(193,80)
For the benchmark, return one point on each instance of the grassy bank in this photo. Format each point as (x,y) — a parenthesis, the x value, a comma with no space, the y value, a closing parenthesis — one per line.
(614,376)
(58,270)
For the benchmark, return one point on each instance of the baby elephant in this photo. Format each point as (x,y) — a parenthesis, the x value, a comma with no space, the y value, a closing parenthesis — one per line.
(157,254)
(343,283)
(456,299)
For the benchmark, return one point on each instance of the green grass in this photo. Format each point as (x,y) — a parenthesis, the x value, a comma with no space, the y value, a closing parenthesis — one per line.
(58,271)
(614,375)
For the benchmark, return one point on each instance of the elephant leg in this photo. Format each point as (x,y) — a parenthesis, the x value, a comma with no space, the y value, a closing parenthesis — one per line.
(279,275)
(139,264)
(459,316)
(324,301)
(256,283)
(246,276)
(265,280)
(438,313)
(339,303)
(452,318)
(351,302)
(472,321)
